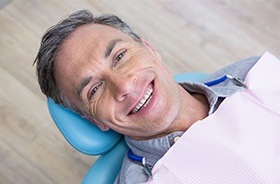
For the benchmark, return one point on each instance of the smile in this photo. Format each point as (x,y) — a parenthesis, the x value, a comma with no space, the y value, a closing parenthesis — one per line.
(144,101)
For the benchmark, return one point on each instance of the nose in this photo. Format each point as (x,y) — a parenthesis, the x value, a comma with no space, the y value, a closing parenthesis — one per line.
(120,85)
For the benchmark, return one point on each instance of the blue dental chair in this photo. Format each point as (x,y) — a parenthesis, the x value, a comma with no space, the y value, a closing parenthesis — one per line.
(89,139)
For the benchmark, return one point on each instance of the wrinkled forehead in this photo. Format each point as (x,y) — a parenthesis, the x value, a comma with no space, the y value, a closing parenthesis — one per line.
(88,39)
(83,37)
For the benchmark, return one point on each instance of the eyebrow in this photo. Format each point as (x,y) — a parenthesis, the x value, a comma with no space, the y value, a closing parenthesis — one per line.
(111,45)
(83,84)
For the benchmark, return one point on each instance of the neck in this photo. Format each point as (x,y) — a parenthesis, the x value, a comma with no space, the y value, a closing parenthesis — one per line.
(194,107)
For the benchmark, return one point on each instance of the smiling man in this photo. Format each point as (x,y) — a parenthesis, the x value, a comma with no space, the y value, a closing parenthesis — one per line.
(100,68)
(110,67)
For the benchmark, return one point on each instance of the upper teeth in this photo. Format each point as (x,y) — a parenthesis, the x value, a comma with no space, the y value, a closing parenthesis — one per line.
(144,101)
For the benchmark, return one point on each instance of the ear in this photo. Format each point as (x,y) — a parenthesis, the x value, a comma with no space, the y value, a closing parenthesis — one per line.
(100,125)
(151,48)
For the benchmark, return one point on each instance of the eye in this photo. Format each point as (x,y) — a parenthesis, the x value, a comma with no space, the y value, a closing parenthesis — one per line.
(93,90)
(120,56)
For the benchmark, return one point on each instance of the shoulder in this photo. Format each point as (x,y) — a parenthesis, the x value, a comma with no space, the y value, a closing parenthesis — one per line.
(131,173)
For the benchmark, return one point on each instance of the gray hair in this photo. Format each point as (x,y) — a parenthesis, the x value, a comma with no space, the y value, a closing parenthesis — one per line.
(55,36)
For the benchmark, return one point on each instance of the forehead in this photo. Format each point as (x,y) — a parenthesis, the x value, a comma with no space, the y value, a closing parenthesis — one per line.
(90,36)
(87,41)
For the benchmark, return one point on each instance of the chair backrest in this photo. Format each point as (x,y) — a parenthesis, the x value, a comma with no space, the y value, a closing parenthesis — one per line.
(80,133)
(89,139)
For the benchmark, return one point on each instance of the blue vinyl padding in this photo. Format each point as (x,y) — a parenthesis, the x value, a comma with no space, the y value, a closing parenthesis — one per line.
(107,167)
(80,133)
(190,77)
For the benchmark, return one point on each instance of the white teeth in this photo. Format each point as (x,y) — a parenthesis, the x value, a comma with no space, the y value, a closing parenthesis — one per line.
(144,101)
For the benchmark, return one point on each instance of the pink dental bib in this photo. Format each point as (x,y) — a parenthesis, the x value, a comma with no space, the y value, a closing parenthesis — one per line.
(239,143)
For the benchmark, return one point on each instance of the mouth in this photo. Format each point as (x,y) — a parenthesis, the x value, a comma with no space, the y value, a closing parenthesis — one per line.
(145,99)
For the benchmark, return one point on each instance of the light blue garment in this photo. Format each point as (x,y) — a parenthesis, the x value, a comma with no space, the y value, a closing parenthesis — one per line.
(154,149)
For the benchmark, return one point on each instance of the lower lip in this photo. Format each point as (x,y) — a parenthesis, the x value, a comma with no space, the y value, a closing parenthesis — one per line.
(150,106)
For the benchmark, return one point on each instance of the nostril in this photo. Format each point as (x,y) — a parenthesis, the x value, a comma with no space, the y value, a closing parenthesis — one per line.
(134,80)
(123,97)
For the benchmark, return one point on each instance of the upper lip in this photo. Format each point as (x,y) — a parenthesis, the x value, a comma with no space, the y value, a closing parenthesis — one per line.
(147,91)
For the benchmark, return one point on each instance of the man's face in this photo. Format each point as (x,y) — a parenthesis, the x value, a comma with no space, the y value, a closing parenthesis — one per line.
(117,82)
